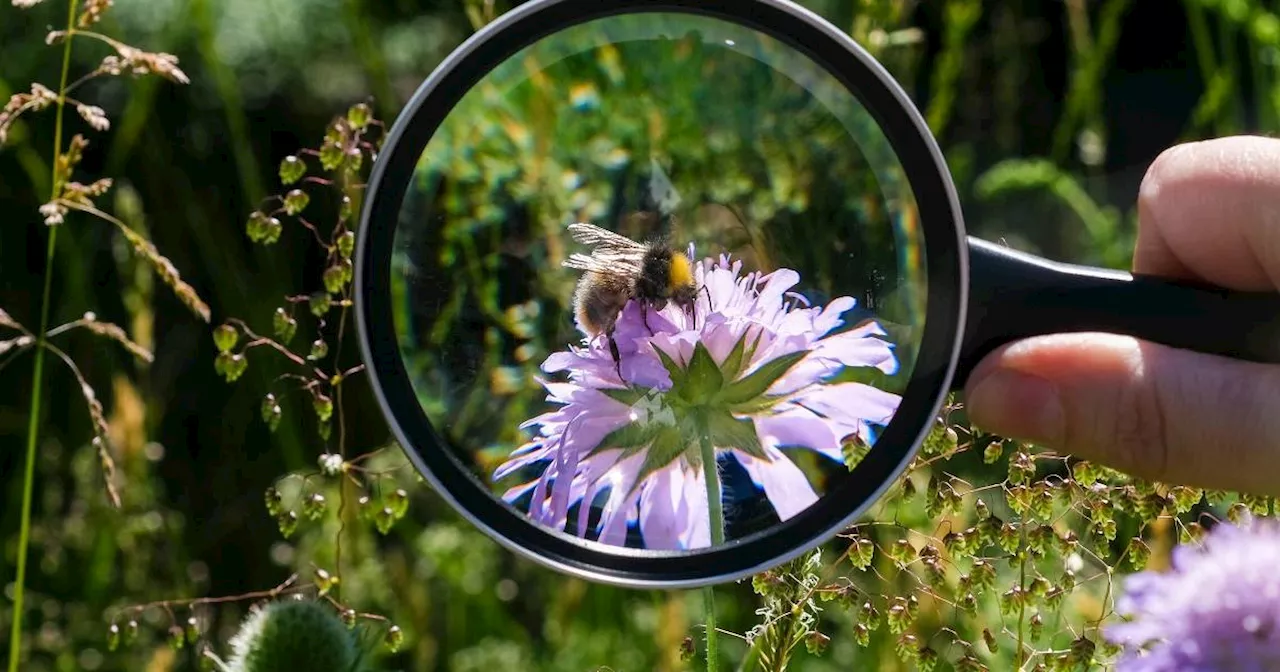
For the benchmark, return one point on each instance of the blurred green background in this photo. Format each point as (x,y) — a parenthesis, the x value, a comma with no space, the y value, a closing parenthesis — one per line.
(1049,112)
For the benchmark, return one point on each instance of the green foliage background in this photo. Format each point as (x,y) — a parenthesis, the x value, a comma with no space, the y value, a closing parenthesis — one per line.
(1048,112)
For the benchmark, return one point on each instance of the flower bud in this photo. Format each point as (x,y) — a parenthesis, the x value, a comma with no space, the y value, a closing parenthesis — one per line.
(331,464)
(981,508)
(275,502)
(687,649)
(292,169)
(295,634)
(992,452)
(862,635)
(320,304)
(1138,553)
(861,552)
(334,279)
(346,243)
(231,366)
(399,503)
(330,155)
(384,519)
(816,642)
(314,506)
(394,639)
(324,581)
(284,325)
(990,640)
(225,337)
(323,407)
(359,115)
(288,523)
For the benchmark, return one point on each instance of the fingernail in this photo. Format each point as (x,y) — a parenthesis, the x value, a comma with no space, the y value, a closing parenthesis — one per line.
(1017,405)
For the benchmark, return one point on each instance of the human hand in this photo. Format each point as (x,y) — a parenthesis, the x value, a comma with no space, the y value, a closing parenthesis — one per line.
(1210,212)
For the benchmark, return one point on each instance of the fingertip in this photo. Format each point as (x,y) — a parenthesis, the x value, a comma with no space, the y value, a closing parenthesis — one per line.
(1022,390)
(1149,410)
(1016,405)
(1206,211)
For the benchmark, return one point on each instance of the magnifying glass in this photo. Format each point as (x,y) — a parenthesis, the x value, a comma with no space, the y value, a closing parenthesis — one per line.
(663,294)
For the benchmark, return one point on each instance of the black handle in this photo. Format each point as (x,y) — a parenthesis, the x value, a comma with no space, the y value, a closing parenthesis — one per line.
(1014,295)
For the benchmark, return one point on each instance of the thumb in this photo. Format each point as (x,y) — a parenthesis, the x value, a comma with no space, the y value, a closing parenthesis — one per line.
(1152,411)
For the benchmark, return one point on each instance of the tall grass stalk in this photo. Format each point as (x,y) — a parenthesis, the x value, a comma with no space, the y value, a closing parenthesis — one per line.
(37,377)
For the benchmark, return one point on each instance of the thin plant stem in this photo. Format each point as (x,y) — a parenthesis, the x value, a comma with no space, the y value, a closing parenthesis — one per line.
(709,605)
(1022,601)
(715,510)
(37,382)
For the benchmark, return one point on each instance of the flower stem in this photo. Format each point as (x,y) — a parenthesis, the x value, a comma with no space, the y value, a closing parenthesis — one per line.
(715,508)
(37,382)
(713,648)
(715,511)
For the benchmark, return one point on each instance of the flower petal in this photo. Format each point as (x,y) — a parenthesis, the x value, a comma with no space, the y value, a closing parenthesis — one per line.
(799,427)
(622,498)
(673,509)
(645,370)
(784,484)
(851,403)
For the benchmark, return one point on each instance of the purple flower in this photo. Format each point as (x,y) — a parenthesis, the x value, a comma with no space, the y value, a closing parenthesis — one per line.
(1217,609)
(747,368)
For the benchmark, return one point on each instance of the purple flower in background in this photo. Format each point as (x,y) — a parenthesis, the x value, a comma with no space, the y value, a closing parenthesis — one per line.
(1217,609)
(747,368)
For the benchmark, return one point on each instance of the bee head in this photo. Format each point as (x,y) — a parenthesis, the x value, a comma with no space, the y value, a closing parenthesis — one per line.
(667,274)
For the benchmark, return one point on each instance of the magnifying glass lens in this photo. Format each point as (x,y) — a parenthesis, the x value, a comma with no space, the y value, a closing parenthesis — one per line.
(658,281)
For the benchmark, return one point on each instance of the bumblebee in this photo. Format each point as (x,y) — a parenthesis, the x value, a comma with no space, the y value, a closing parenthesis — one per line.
(619,269)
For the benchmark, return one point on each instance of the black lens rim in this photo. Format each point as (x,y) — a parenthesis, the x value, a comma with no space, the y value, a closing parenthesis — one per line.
(946,263)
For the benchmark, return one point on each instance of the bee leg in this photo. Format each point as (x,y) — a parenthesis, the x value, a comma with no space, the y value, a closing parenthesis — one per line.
(617,358)
(644,317)
(708,293)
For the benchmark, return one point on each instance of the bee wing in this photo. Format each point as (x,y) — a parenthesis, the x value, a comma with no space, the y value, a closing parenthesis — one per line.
(604,262)
(604,240)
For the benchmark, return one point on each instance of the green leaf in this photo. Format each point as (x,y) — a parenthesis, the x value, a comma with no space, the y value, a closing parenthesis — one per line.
(703,379)
(755,406)
(632,435)
(730,432)
(628,396)
(677,373)
(754,385)
(751,349)
(732,365)
(668,445)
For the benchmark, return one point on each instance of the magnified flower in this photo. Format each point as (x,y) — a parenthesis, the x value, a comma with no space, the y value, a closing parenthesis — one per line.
(1217,609)
(748,372)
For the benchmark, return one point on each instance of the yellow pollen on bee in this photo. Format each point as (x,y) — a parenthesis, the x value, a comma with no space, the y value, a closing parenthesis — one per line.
(681,272)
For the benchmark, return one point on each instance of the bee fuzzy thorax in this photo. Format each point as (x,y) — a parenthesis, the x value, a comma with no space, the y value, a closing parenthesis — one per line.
(680,274)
